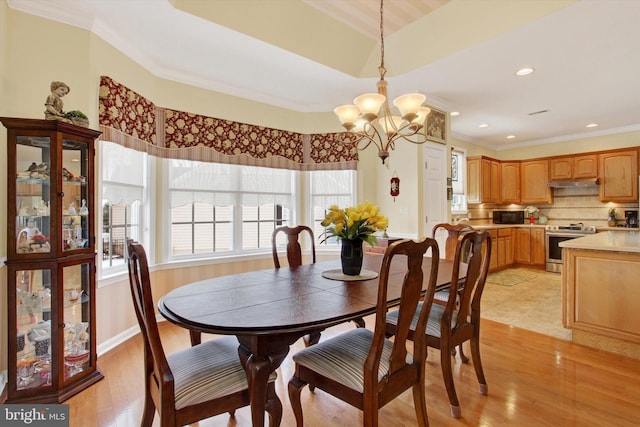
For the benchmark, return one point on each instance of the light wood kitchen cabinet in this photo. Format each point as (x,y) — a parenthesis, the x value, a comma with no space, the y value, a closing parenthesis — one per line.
(483,180)
(619,176)
(585,166)
(493,261)
(534,176)
(505,247)
(474,180)
(573,167)
(601,298)
(510,179)
(530,247)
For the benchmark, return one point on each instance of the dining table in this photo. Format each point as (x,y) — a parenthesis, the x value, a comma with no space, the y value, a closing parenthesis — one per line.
(268,310)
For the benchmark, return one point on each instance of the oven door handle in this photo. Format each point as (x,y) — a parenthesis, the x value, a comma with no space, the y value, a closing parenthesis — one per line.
(573,235)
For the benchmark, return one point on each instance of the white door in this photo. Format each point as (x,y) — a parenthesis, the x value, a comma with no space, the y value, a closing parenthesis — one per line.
(436,207)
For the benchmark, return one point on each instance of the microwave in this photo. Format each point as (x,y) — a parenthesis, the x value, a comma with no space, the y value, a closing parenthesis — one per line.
(508,217)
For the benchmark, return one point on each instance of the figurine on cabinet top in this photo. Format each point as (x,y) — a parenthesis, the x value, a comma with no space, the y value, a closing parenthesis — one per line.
(54,105)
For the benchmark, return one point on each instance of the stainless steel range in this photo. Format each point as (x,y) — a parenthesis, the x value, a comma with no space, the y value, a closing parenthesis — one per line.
(554,234)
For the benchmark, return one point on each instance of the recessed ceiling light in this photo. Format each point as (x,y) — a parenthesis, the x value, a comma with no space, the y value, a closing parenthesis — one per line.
(592,125)
(511,136)
(524,71)
(483,125)
(455,113)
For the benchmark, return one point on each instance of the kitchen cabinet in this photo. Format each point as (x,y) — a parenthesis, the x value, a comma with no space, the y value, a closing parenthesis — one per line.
(600,302)
(585,166)
(505,247)
(510,177)
(502,248)
(534,176)
(493,261)
(619,176)
(573,167)
(483,180)
(51,260)
(530,246)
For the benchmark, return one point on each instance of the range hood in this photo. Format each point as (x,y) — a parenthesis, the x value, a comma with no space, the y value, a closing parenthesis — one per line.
(582,182)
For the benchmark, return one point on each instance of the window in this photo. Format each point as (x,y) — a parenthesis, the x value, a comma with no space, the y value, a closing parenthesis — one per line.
(459,181)
(222,209)
(333,187)
(124,173)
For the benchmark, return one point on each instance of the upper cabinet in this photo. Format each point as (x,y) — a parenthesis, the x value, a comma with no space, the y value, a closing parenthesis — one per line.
(619,176)
(527,181)
(483,180)
(534,176)
(510,182)
(585,166)
(573,167)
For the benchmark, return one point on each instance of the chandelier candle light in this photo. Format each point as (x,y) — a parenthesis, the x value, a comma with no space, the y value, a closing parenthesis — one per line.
(372,121)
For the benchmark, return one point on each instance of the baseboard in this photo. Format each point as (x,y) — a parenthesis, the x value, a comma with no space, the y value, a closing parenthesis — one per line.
(116,340)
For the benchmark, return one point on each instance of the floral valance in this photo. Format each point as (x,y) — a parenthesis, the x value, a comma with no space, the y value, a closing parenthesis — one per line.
(130,119)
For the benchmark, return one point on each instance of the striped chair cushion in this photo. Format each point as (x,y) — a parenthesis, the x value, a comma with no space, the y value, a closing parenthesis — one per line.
(433,324)
(207,371)
(441,296)
(342,358)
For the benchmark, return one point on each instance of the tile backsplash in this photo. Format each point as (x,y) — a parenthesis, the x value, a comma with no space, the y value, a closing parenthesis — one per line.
(570,205)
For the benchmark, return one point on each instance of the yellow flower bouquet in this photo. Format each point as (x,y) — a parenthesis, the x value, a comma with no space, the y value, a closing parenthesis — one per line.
(354,223)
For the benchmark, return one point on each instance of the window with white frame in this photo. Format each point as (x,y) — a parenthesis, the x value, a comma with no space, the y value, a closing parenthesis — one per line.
(222,209)
(331,187)
(123,183)
(459,180)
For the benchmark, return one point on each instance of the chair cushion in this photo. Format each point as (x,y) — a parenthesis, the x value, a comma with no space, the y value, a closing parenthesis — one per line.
(207,371)
(342,358)
(433,324)
(441,295)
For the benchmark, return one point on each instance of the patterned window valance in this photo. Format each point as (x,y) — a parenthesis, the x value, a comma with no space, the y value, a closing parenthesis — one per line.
(129,119)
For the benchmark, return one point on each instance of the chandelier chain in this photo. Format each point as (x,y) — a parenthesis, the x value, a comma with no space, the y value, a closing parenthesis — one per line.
(382,69)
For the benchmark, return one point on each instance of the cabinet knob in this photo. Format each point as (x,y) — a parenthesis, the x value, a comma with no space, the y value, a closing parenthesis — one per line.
(61,194)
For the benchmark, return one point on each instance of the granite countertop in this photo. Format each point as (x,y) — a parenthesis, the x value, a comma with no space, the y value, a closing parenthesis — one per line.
(617,241)
(493,226)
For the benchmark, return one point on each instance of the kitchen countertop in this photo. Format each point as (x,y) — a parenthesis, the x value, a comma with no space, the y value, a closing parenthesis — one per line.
(493,226)
(617,241)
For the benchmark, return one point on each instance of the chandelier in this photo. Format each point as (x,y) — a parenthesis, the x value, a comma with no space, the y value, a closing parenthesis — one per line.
(371,121)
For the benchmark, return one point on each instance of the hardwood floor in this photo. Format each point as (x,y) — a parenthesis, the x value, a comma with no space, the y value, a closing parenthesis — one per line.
(534,380)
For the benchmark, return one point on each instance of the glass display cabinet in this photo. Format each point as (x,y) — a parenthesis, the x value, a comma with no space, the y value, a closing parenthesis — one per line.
(51,260)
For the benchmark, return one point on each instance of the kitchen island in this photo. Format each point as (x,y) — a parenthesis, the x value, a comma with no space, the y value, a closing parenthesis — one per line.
(601,291)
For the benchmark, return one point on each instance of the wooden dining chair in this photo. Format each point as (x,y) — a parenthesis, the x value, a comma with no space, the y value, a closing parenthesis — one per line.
(452,233)
(191,384)
(294,250)
(294,258)
(451,325)
(363,367)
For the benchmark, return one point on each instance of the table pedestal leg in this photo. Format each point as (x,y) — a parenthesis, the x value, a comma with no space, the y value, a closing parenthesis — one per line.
(258,369)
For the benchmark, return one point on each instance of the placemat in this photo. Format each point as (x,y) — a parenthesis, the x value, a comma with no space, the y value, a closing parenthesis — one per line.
(337,275)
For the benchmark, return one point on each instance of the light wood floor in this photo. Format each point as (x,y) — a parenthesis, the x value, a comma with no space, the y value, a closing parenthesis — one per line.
(534,380)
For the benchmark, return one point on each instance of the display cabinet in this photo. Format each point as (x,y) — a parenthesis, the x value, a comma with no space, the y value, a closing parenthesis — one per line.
(51,260)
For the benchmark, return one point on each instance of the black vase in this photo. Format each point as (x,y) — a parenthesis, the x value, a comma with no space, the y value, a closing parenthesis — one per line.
(351,256)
